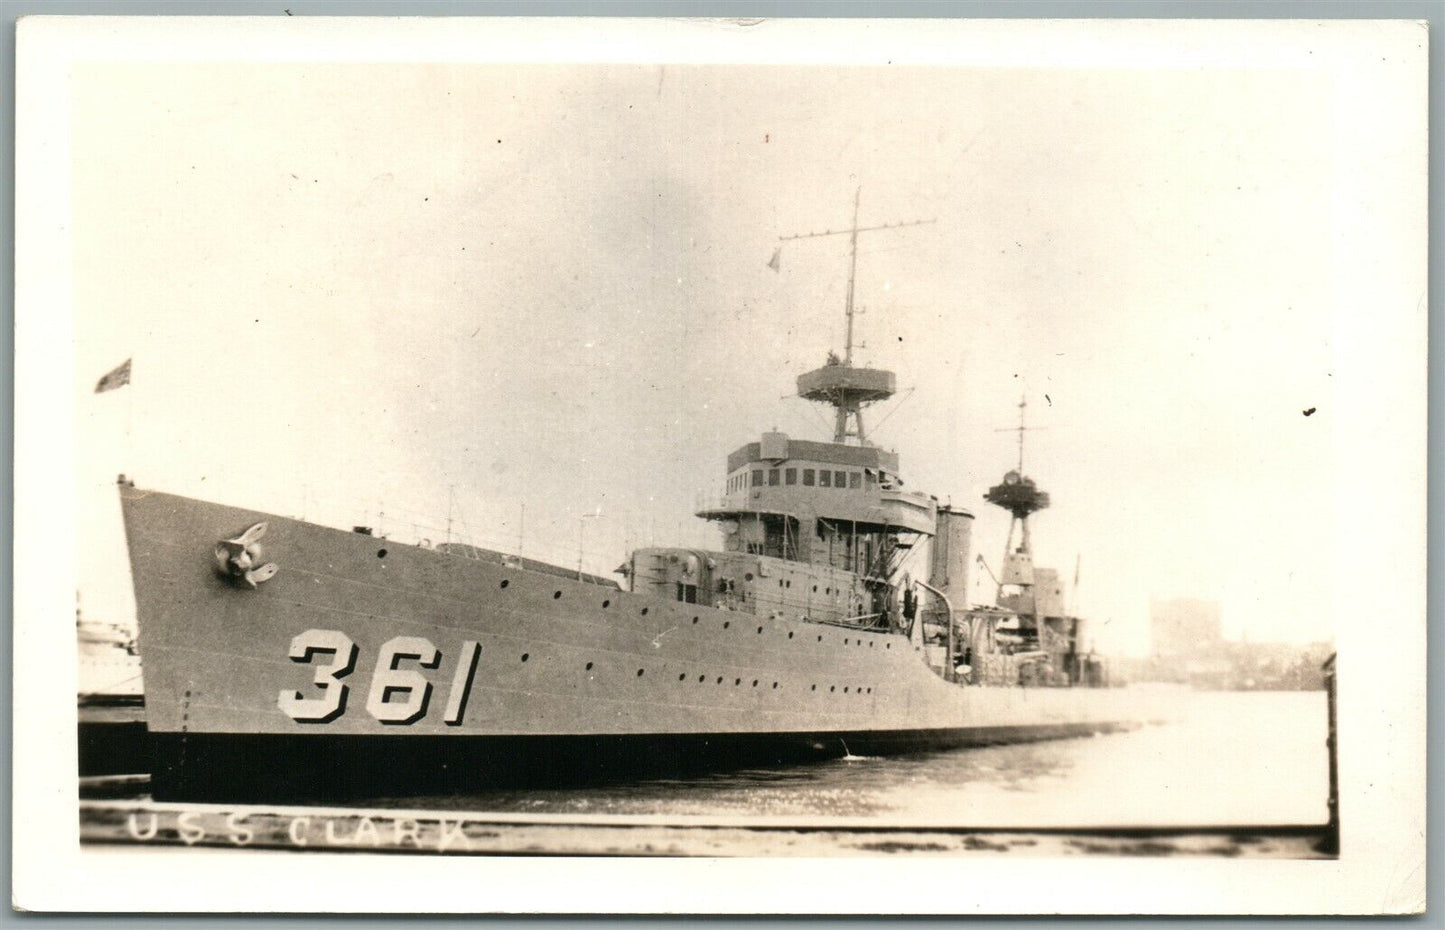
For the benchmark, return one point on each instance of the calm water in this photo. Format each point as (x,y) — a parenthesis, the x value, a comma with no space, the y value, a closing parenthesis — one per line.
(1227,759)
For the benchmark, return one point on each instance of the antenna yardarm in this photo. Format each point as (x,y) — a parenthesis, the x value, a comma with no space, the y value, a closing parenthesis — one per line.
(838,383)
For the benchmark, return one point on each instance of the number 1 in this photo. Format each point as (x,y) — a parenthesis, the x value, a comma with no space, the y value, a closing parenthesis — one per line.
(461,687)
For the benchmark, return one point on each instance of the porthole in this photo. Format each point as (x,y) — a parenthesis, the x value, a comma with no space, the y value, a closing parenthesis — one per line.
(748,576)
(694,619)
(887,645)
(644,611)
(606,604)
(727,623)
(760,629)
(556,595)
(870,644)
(820,638)
(780,582)
(870,690)
(775,686)
(737,681)
(719,679)
(381,553)
(639,673)
(504,583)
(526,656)
(814,688)
(832,688)
(589,664)
(755,682)
(701,679)
(845,689)
(682,676)
(790,634)
(815,589)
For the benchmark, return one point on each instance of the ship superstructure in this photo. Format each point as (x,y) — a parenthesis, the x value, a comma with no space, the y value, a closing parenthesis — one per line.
(810,529)
(1042,644)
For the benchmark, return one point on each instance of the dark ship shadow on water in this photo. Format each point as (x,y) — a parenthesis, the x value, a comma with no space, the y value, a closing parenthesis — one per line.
(287,769)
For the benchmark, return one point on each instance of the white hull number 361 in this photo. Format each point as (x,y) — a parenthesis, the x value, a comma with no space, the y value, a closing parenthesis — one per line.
(399,694)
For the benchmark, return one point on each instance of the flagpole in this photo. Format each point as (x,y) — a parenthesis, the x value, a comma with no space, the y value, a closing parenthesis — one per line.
(128,459)
(114,380)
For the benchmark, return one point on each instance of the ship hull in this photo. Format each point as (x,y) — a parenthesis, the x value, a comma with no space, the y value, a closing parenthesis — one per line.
(369,667)
(269,768)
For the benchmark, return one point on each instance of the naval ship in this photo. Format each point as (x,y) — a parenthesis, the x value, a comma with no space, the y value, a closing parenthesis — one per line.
(288,659)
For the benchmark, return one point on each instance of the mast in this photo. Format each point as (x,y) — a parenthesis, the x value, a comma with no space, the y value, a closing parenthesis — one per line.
(1018,494)
(1021,429)
(852,276)
(845,388)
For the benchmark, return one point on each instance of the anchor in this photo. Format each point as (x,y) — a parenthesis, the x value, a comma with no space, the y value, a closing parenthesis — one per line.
(239,559)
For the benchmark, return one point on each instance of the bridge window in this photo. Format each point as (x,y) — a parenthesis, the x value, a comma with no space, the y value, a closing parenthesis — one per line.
(790,476)
(825,478)
(855,481)
(757,477)
(840,479)
(808,477)
(773,477)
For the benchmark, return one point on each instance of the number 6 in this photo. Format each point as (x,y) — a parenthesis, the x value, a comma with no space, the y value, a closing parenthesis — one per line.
(391,682)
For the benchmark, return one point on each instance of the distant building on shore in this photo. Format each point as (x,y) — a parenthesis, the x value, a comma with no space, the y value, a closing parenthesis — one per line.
(1188,647)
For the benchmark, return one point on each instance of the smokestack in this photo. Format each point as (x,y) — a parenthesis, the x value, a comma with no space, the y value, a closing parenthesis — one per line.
(952,551)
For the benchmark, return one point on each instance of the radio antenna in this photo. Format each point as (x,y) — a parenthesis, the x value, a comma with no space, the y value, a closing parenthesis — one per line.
(852,233)
(1021,429)
(845,388)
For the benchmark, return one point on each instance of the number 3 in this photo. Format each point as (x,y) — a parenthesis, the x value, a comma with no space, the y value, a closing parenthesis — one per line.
(332,702)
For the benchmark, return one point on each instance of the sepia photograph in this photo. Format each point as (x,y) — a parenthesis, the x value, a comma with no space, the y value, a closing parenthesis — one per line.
(927,451)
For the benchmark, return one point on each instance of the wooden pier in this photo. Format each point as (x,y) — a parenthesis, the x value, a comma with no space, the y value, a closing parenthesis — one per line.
(139,822)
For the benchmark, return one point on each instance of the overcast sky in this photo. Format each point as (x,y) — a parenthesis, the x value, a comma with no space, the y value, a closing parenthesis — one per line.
(355,291)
